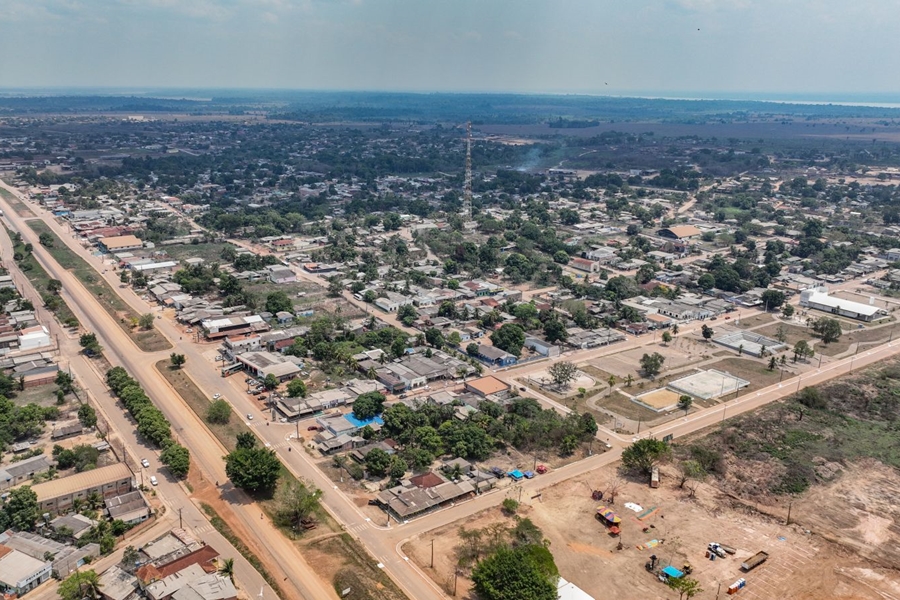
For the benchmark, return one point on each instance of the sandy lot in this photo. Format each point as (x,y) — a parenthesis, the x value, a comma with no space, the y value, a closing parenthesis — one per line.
(802,565)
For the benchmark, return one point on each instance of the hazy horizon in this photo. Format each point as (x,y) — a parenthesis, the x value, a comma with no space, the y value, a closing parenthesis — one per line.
(816,49)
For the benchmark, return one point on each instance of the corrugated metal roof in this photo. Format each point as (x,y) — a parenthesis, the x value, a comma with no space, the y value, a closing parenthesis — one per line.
(81,481)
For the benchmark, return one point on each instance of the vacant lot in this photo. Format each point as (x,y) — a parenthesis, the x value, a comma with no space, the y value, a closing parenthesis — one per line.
(208,252)
(148,341)
(800,566)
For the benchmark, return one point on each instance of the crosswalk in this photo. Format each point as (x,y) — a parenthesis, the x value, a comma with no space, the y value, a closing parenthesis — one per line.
(203,529)
(359,527)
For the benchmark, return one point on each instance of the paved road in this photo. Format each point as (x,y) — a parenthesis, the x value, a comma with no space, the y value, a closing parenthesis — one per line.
(385,542)
(206,452)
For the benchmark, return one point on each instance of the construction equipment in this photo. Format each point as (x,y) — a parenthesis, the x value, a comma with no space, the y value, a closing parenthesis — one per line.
(687,568)
(652,563)
(717,549)
(755,560)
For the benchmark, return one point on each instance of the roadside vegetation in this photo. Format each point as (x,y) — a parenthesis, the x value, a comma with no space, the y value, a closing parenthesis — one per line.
(142,333)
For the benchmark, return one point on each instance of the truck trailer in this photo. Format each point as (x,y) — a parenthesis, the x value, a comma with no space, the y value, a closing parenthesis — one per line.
(755,560)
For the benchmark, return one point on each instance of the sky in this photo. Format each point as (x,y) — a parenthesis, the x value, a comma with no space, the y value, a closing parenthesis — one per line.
(715,48)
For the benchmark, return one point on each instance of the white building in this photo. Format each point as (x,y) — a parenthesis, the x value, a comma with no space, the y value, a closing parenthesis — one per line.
(20,573)
(819,299)
(35,337)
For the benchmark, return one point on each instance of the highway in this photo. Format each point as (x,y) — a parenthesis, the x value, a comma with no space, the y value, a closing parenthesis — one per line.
(383,540)
(299,580)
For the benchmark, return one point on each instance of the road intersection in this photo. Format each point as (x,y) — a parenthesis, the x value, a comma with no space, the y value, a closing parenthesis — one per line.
(383,541)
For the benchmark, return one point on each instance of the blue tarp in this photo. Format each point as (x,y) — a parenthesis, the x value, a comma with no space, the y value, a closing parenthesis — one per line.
(672,572)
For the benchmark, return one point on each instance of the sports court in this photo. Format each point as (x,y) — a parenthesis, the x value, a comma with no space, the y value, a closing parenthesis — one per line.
(660,400)
(708,384)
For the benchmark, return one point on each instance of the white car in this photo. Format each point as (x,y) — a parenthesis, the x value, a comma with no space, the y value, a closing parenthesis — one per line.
(216,396)
(218,357)
(249,417)
(145,463)
(153,480)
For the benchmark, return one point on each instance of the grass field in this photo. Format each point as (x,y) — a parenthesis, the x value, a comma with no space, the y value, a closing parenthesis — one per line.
(148,341)
(39,278)
(16,204)
(208,252)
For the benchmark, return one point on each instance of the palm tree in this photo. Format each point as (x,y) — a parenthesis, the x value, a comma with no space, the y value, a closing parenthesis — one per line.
(675,329)
(629,380)
(227,569)
(611,381)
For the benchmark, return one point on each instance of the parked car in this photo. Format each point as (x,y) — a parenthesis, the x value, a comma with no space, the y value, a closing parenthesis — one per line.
(528,474)
(541,469)
(216,396)
(313,428)
(218,357)
(153,480)
(498,472)
(145,463)
(249,417)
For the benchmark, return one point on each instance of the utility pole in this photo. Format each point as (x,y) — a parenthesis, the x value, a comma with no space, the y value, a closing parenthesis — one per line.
(180,522)
(432,553)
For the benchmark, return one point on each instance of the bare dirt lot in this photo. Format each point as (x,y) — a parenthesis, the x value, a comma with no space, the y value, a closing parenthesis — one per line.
(801,564)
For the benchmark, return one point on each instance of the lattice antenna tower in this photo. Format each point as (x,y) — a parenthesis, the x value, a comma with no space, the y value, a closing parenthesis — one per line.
(467,185)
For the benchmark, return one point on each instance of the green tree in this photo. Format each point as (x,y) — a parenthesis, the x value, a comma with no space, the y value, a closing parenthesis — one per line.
(523,573)
(219,412)
(666,337)
(80,586)
(397,468)
(46,239)
(146,321)
(270,382)
(296,388)
(178,459)
(434,337)
(377,462)
(510,337)
(21,509)
(278,302)
(472,349)
(563,372)
(773,362)
(685,586)
(643,454)
(555,331)
(406,314)
(87,416)
(368,405)
(226,569)
(652,364)
(369,297)
(54,286)
(246,439)
(685,402)
(253,469)
(177,360)
(707,332)
(772,299)
(788,311)
(802,350)
(64,381)
(295,503)
(509,506)
(829,329)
